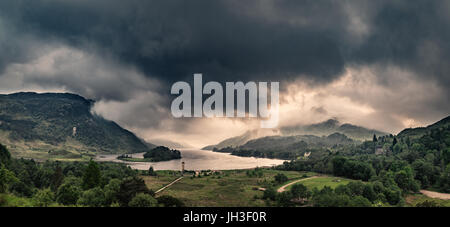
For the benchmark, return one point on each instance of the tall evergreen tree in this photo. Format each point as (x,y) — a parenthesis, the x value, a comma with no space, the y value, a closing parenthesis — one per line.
(151,171)
(5,156)
(91,176)
(129,188)
(57,178)
(394,142)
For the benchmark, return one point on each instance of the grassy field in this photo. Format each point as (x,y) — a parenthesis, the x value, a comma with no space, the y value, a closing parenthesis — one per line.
(163,178)
(71,150)
(321,182)
(224,188)
(9,200)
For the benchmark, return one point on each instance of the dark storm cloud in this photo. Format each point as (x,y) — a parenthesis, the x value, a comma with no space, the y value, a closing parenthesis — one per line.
(173,39)
(411,34)
(230,40)
(243,40)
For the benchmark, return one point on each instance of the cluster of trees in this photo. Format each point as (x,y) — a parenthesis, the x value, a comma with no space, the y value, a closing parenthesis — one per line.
(162,153)
(257,172)
(352,169)
(76,183)
(280,178)
(353,194)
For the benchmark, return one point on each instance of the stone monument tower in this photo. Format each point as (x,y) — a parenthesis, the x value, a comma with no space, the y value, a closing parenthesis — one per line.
(182,167)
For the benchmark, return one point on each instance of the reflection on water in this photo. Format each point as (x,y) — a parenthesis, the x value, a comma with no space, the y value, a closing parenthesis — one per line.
(198,160)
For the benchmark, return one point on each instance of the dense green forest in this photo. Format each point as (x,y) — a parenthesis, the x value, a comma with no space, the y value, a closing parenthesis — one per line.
(51,183)
(353,194)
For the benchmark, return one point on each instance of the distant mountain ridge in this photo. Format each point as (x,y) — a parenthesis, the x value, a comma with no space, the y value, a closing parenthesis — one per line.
(325,128)
(280,142)
(241,139)
(332,126)
(60,125)
(287,147)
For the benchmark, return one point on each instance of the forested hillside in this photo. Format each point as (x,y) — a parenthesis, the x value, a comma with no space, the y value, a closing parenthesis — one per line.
(288,147)
(403,162)
(53,125)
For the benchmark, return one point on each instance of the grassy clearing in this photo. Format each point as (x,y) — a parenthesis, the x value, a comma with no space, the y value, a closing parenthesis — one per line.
(296,177)
(321,182)
(9,200)
(230,188)
(70,150)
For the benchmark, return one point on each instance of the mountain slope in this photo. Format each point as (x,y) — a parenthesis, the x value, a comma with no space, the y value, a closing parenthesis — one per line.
(242,139)
(421,131)
(285,142)
(61,126)
(288,147)
(320,129)
(332,126)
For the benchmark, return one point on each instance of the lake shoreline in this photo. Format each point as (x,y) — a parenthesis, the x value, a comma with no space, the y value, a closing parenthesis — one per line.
(197,160)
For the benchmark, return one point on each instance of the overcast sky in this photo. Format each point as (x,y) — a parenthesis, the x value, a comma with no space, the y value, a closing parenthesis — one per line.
(378,64)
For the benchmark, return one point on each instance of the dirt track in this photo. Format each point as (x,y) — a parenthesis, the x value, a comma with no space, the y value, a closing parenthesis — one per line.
(173,182)
(436,195)
(283,188)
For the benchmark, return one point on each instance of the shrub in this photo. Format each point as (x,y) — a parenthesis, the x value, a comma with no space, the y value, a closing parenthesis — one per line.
(281,178)
(112,190)
(169,201)
(129,188)
(143,200)
(270,193)
(427,203)
(94,197)
(68,194)
(44,197)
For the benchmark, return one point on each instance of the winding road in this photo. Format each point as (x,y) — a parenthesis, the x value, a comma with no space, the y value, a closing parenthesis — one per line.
(283,188)
(435,195)
(431,194)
